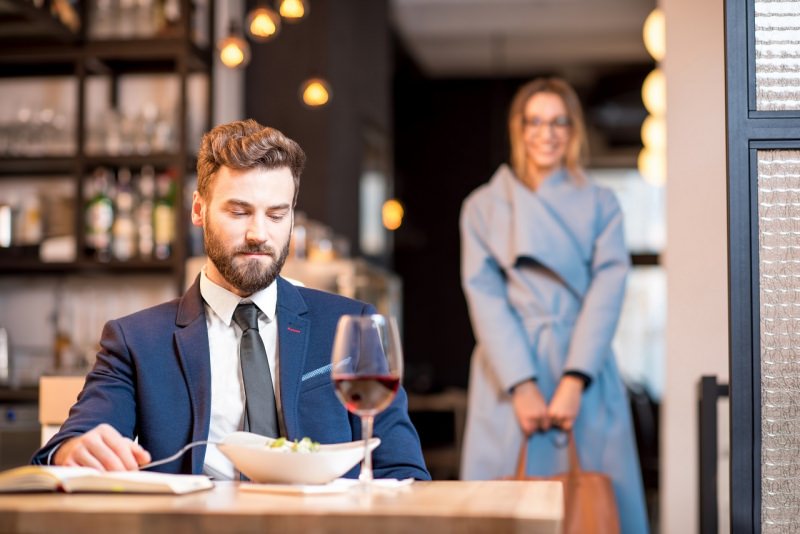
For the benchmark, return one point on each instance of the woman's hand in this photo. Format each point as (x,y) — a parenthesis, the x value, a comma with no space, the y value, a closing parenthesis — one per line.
(530,407)
(566,402)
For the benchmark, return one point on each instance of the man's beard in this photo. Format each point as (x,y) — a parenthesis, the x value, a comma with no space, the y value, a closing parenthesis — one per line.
(251,276)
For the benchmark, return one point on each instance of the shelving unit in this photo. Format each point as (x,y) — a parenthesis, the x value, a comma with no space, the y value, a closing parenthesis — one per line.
(23,20)
(44,47)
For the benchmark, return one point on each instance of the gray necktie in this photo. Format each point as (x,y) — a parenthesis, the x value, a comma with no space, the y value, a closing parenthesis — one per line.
(261,415)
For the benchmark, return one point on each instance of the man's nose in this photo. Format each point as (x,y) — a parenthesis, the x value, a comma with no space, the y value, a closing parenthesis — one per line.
(257,230)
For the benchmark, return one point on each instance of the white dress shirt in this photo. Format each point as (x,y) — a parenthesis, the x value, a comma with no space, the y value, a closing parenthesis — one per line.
(227,385)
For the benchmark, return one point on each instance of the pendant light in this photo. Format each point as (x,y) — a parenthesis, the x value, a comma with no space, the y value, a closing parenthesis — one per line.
(234,52)
(293,10)
(652,160)
(392,213)
(315,92)
(654,92)
(654,34)
(263,23)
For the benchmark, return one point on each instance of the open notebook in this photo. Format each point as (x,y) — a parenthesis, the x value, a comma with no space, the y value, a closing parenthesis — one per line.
(85,479)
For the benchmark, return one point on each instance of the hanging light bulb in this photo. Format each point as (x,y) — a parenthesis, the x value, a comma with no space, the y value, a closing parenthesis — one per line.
(263,23)
(654,34)
(652,160)
(234,52)
(652,165)
(654,132)
(392,214)
(293,10)
(315,92)
(654,92)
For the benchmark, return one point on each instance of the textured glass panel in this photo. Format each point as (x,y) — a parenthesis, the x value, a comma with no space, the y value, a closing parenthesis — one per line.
(777,54)
(779,264)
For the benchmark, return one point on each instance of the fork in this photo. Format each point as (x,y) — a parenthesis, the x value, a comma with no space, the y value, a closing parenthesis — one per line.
(178,454)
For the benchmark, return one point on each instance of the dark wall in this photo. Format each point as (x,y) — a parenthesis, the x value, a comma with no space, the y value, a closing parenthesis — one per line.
(449,138)
(347,43)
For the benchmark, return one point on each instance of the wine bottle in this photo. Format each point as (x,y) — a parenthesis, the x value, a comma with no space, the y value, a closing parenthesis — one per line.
(144,212)
(164,216)
(99,216)
(124,230)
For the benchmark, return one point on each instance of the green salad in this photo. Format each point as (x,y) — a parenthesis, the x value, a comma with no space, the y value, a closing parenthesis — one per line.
(302,445)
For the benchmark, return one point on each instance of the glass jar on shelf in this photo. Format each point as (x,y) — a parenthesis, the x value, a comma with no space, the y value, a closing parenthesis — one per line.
(320,247)
(164,215)
(123,230)
(102,18)
(298,244)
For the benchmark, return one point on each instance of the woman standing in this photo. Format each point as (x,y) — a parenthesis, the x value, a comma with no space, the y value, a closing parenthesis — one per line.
(544,264)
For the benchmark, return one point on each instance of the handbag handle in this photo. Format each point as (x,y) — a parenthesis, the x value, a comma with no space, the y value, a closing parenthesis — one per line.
(574,461)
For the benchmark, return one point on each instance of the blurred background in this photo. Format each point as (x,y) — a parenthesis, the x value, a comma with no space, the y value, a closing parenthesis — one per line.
(401,107)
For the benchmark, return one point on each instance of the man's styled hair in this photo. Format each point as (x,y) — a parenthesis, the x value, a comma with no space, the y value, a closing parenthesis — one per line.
(247,144)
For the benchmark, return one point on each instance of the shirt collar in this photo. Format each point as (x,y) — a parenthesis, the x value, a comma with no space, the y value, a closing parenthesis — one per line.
(223,302)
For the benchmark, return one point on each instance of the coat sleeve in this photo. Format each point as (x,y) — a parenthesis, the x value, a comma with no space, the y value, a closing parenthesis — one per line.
(602,303)
(400,453)
(107,396)
(497,327)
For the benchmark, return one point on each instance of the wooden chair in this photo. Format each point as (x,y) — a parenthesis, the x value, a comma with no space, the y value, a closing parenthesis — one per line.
(57,394)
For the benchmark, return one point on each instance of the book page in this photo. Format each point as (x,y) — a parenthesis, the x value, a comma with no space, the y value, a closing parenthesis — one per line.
(137,482)
(40,477)
(86,479)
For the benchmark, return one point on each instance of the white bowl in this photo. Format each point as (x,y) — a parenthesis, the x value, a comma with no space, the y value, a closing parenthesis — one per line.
(251,455)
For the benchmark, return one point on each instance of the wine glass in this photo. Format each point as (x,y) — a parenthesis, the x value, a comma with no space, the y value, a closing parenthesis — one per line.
(367,365)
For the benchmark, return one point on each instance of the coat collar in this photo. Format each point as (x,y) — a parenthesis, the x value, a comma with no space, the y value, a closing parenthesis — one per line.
(294,331)
(537,225)
(191,345)
(190,306)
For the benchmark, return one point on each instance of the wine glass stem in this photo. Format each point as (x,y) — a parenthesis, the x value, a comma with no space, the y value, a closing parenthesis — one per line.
(366,433)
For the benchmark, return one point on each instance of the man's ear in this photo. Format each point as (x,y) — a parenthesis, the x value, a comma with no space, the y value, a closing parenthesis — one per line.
(198,209)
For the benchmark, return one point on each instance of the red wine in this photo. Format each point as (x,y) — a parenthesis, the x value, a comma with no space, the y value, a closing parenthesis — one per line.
(366,394)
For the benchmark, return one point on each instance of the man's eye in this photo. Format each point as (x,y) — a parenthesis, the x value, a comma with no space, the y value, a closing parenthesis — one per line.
(278,217)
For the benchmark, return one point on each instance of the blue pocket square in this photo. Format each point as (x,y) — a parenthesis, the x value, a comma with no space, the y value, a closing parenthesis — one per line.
(321,370)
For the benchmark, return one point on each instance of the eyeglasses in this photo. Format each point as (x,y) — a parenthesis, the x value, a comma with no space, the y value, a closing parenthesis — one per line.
(559,124)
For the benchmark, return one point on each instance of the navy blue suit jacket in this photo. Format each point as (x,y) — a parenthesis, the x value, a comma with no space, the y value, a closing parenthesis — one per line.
(152,379)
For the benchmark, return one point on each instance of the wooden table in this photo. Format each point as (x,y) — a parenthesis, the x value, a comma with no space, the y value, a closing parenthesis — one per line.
(441,507)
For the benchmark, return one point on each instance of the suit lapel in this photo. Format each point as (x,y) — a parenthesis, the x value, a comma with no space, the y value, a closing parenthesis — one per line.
(191,342)
(293,335)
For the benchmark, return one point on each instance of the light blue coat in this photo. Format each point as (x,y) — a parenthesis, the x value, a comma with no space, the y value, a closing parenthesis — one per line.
(544,276)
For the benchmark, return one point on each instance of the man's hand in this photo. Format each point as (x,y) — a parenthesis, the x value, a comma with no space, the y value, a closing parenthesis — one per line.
(566,402)
(530,408)
(102,448)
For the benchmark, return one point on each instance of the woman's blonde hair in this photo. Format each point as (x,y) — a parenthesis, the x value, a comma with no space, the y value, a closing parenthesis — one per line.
(576,148)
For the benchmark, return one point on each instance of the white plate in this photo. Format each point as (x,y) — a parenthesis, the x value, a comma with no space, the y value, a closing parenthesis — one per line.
(251,455)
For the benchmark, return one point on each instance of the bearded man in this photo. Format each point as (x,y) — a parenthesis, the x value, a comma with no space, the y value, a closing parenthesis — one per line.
(179,372)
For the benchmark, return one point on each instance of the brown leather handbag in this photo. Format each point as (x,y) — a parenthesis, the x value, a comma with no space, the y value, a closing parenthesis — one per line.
(589,503)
